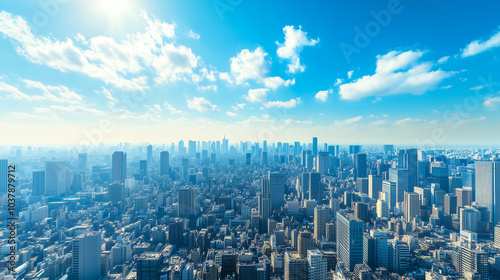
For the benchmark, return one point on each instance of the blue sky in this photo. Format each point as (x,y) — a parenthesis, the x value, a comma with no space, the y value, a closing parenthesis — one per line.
(402,72)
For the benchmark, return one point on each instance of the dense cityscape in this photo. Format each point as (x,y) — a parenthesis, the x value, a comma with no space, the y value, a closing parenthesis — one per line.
(206,210)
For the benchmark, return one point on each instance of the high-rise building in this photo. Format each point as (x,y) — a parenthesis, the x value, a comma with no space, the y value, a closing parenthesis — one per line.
(361,211)
(401,178)
(4,181)
(497,236)
(86,257)
(360,166)
(469,219)
(150,155)
(295,267)
(362,185)
(305,243)
(57,178)
(411,206)
(323,163)
(488,187)
(349,240)
(148,266)
(389,188)
(320,216)
(450,204)
(248,159)
(374,186)
(38,183)
(315,146)
(316,265)
(354,149)
(472,261)
(277,189)
(315,187)
(116,192)
(408,159)
(186,207)
(210,271)
(399,256)
(82,164)
(464,196)
(143,168)
(119,167)
(164,163)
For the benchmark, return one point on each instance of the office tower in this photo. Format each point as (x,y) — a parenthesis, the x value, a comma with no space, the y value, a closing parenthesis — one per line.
(349,240)
(295,267)
(464,196)
(389,188)
(248,159)
(469,219)
(277,189)
(192,148)
(246,270)
(440,175)
(354,149)
(76,182)
(86,257)
(4,181)
(116,192)
(315,187)
(143,168)
(149,266)
(175,231)
(374,186)
(317,265)
(407,159)
(361,211)
(488,187)
(369,251)
(304,156)
(264,159)
(472,262)
(320,216)
(399,256)
(305,243)
(119,167)
(497,236)
(323,163)
(400,177)
(360,166)
(315,146)
(149,154)
(450,204)
(186,207)
(309,162)
(331,232)
(38,183)
(164,163)
(210,271)
(57,177)
(469,179)
(362,185)
(411,206)
(382,209)
(229,260)
(388,149)
(82,165)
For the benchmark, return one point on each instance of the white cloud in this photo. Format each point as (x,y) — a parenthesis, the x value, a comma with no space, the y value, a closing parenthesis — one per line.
(210,87)
(295,40)
(349,74)
(249,65)
(192,34)
(443,59)
(477,46)
(338,82)
(225,76)
(283,104)
(292,121)
(492,102)
(73,109)
(322,95)
(446,87)
(396,73)
(407,121)
(275,82)
(171,108)
(231,114)
(239,106)
(201,104)
(58,94)
(257,95)
(349,121)
(479,87)
(123,64)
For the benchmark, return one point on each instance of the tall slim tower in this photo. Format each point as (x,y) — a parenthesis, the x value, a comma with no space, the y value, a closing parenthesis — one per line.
(315,187)
(408,159)
(150,155)
(4,165)
(488,187)
(86,258)
(57,177)
(38,183)
(400,177)
(186,207)
(360,166)
(119,167)
(164,163)
(315,146)
(349,240)
(320,216)
(277,189)
(411,205)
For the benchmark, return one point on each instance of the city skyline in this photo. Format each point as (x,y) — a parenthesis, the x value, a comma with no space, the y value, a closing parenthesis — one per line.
(161,72)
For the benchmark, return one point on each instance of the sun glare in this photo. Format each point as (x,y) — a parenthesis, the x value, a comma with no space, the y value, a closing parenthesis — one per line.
(114,7)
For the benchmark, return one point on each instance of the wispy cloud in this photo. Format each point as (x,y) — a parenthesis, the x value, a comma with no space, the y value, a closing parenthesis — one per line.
(477,46)
(295,40)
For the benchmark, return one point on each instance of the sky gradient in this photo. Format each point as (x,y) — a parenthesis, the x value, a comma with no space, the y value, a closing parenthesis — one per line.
(398,72)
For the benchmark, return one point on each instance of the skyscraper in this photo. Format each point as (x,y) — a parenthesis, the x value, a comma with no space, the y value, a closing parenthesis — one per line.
(86,257)
(148,266)
(305,243)
(186,207)
(315,146)
(315,187)
(316,265)
(119,167)
(295,267)
(411,206)
(150,155)
(57,177)
(360,166)
(38,183)
(277,189)
(320,216)
(322,163)
(164,163)
(408,159)
(450,204)
(488,187)
(143,168)
(389,188)
(4,181)
(374,186)
(349,240)
(400,177)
